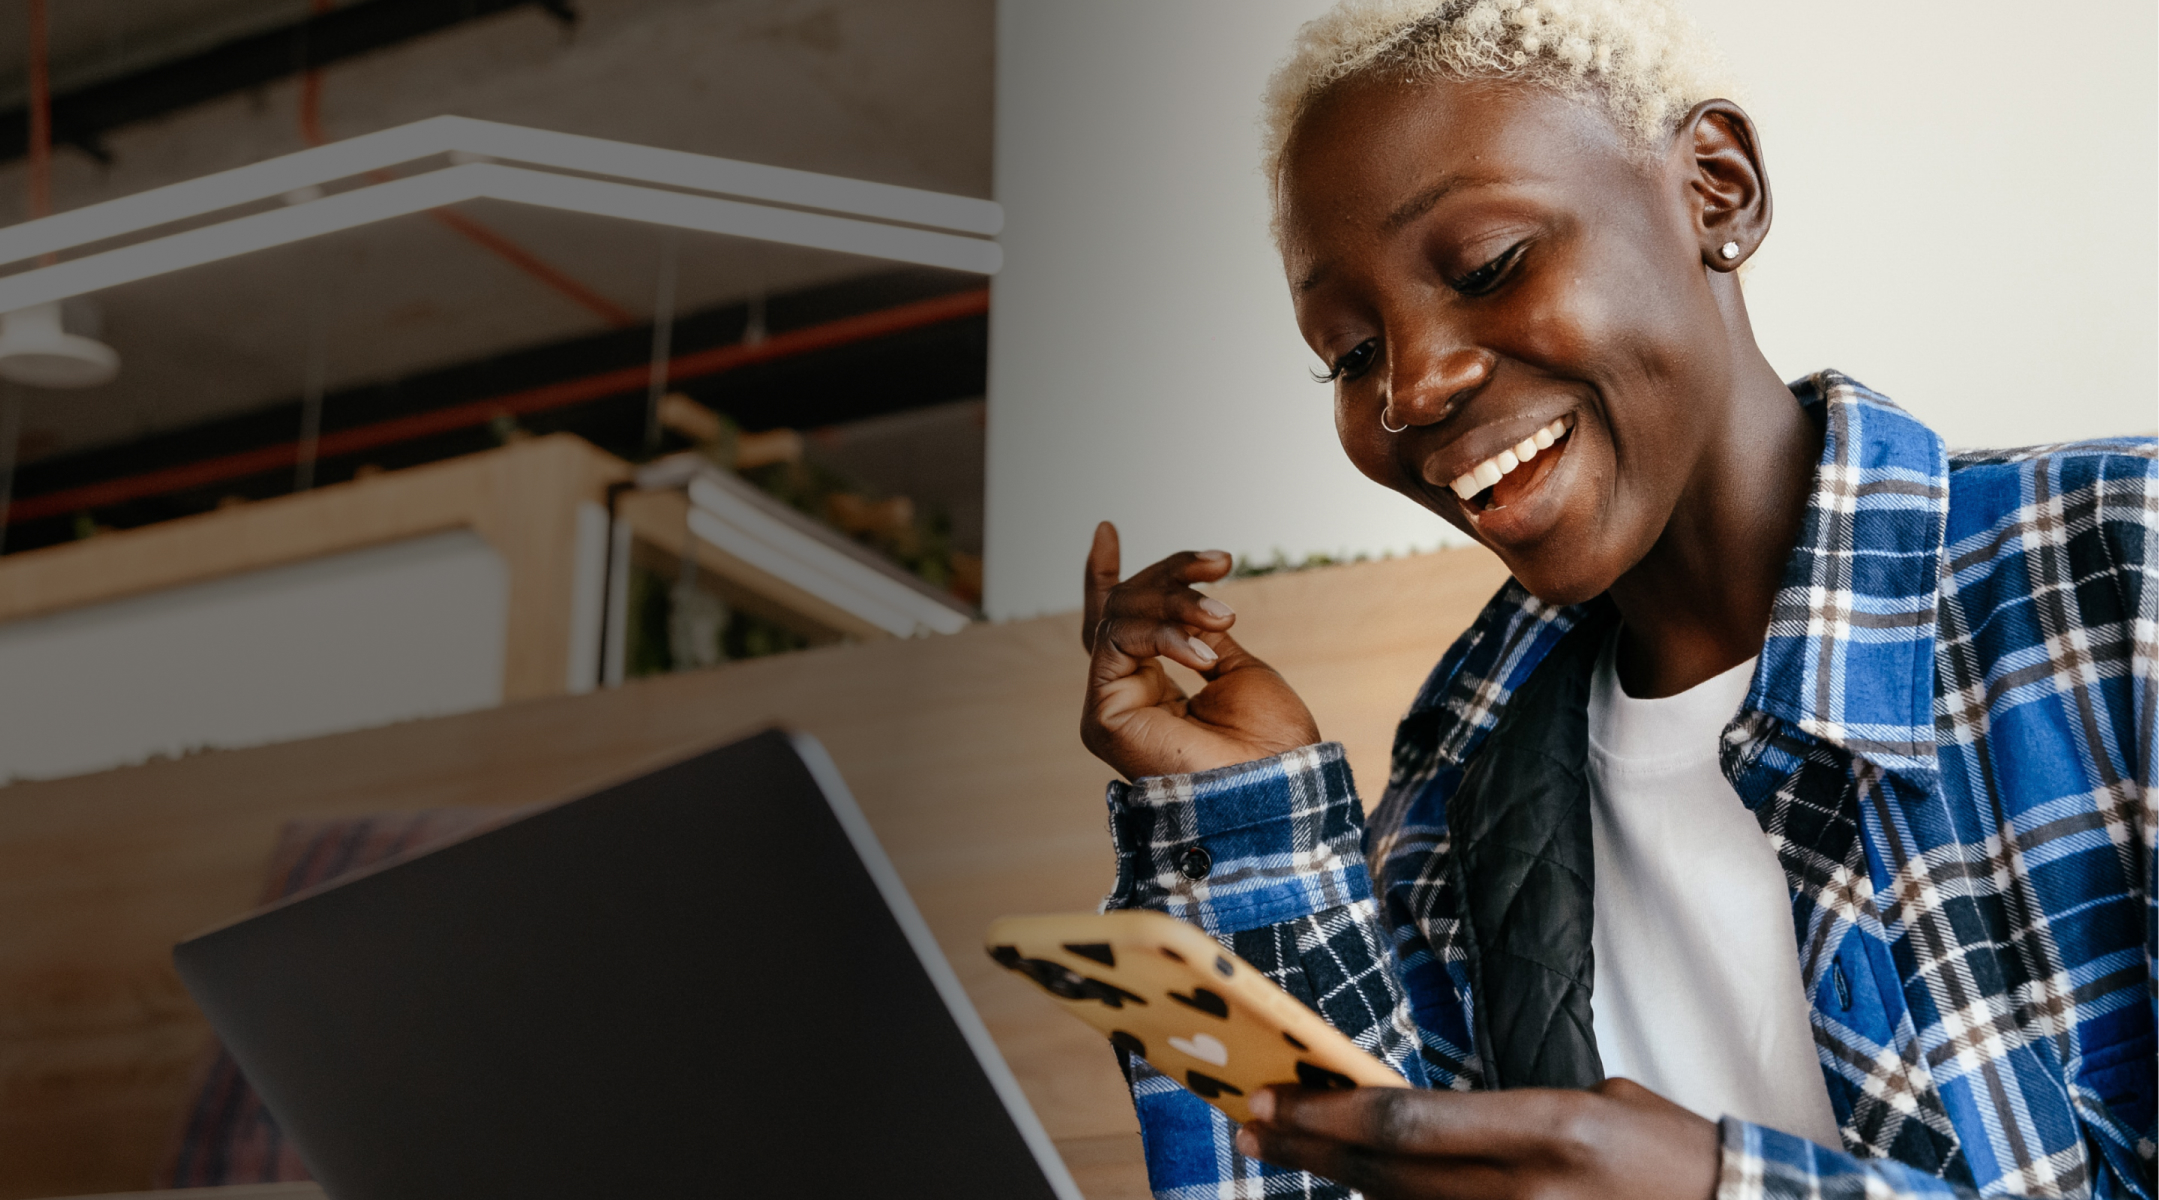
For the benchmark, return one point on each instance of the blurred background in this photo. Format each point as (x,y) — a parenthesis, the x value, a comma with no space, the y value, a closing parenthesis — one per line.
(846,388)
(440,406)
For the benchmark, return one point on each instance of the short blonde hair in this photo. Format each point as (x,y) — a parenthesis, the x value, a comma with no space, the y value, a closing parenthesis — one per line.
(1642,61)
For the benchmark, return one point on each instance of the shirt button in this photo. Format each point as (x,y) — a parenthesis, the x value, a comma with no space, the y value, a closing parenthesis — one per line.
(1195,862)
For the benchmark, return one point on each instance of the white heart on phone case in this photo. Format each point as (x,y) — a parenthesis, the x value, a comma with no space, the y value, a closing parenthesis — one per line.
(1202,1047)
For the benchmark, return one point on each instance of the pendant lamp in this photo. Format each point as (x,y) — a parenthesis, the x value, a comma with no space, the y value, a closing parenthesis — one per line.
(37,349)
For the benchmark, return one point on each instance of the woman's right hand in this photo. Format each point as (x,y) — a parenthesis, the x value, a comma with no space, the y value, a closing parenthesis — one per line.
(1137,719)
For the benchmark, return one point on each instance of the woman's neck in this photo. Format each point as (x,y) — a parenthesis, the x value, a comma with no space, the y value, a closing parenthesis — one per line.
(1698,604)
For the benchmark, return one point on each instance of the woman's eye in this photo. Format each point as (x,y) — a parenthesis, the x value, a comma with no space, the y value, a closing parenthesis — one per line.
(1352,364)
(1486,277)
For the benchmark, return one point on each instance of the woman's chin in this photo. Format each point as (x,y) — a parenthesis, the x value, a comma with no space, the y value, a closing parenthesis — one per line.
(1556,584)
(1564,556)
(1579,557)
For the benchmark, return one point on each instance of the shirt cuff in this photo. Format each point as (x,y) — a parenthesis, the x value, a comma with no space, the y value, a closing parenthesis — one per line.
(1242,847)
(1760,1163)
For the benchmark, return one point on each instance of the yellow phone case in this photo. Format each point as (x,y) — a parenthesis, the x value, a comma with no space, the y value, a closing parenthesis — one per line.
(1169,993)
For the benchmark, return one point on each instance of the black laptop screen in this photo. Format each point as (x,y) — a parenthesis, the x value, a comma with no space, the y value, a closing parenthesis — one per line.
(686,984)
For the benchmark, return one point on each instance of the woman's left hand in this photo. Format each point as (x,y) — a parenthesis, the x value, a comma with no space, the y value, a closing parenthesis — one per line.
(1616,1141)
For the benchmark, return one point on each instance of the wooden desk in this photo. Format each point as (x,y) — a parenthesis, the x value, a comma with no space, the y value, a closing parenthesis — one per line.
(963,751)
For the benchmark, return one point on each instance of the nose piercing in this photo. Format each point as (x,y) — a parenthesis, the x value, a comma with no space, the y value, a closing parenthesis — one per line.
(1389,428)
(1730,250)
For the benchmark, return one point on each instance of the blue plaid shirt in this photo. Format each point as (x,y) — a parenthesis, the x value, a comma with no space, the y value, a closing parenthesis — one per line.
(1949,741)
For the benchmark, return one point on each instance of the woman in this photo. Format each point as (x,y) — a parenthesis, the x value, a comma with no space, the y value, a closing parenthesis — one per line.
(1512,231)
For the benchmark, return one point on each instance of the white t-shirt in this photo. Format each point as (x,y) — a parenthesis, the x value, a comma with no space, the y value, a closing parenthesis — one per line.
(1697,993)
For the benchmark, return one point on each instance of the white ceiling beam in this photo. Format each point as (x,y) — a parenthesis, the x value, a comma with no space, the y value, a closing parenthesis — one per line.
(260,231)
(464,136)
(732,177)
(476,181)
(710,214)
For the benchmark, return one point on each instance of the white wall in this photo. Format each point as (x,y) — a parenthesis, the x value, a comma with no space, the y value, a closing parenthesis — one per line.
(412,629)
(1967,205)
(1965,219)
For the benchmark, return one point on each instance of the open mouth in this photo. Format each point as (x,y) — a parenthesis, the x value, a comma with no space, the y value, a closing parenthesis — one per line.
(1499,480)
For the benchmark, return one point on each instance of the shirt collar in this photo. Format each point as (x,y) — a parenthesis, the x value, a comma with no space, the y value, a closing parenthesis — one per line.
(1850,654)
(1849,657)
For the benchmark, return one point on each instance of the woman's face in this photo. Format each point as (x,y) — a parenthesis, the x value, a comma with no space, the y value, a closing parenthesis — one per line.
(1497,269)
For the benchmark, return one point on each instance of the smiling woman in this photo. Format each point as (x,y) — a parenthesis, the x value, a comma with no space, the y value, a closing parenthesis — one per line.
(1527,265)
(1797,748)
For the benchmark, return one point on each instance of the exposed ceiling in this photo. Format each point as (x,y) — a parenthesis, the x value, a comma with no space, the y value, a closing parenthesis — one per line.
(897,91)
(93,40)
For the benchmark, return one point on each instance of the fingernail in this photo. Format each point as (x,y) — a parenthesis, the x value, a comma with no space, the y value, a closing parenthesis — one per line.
(1200,650)
(1212,554)
(1247,1145)
(1216,609)
(1262,1106)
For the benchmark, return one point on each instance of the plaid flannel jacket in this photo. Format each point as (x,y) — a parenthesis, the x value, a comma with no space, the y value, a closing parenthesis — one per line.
(1949,740)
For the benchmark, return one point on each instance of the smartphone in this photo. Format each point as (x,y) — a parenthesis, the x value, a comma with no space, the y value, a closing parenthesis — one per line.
(1167,992)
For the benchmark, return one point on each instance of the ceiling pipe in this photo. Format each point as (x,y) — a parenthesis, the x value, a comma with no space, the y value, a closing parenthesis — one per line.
(40,116)
(82,116)
(621,381)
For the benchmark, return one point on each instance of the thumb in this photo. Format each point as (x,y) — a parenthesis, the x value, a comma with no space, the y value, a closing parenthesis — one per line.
(1102,566)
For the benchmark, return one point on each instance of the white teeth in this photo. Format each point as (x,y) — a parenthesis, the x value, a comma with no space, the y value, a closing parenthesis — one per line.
(1493,469)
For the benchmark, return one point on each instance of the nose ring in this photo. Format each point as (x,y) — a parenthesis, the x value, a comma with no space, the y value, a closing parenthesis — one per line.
(1389,428)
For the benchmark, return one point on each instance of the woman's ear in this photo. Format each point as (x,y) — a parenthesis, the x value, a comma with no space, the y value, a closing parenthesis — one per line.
(1720,155)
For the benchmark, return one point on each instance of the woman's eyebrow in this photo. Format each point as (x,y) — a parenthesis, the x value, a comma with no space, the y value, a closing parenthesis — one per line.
(1405,212)
(1421,203)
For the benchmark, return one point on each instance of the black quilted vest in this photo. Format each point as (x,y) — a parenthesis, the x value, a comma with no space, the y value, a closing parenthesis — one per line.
(1526,875)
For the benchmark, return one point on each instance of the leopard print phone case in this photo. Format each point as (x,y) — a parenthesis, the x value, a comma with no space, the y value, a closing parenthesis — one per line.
(1165,991)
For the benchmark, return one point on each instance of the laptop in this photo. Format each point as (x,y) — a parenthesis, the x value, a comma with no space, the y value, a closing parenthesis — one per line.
(705,981)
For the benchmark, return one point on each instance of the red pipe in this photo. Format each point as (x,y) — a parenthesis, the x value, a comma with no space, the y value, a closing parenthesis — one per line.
(40,117)
(40,127)
(532,264)
(934,311)
(311,91)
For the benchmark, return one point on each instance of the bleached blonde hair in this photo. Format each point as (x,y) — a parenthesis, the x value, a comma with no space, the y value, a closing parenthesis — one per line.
(1643,61)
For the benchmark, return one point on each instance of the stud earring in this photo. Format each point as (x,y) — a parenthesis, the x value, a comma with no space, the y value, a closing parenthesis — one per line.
(1730,251)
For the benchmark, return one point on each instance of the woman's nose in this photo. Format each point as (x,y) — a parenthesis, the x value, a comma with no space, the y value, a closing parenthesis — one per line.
(1424,389)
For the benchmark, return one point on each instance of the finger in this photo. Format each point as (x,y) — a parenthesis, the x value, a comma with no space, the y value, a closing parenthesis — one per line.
(1170,602)
(1516,1124)
(1378,1175)
(1128,641)
(1187,566)
(1102,559)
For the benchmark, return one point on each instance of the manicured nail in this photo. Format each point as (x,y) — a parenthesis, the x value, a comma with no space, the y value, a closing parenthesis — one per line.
(1262,1106)
(1212,555)
(1247,1145)
(1216,609)
(1200,650)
